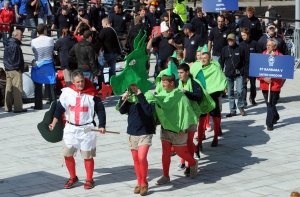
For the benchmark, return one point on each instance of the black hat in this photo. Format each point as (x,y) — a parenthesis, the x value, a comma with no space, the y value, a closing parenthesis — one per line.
(64,8)
(81,8)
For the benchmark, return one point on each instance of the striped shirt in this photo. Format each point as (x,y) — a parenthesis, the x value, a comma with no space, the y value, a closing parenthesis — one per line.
(42,48)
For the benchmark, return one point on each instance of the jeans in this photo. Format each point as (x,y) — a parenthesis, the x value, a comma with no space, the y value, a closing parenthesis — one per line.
(110,59)
(33,23)
(215,57)
(239,91)
(4,37)
(252,96)
(89,75)
(272,114)
(22,21)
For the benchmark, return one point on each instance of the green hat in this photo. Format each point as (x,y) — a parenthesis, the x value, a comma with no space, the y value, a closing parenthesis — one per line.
(199,49)
(172,69)
(205,49)
(56,134)
(135,70)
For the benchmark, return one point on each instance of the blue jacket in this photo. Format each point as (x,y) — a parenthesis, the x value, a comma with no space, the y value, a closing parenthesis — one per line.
(21,6)
(44,73)
(13,56)
(140,116)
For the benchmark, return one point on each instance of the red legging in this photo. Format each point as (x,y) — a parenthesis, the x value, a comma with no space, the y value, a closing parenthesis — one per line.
(201,128)
(217,124)
(89,167)
(191,148)
(207,125)
(166,159)
(141,164)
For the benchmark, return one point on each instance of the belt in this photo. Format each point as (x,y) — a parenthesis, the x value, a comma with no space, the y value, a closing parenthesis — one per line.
(78,125)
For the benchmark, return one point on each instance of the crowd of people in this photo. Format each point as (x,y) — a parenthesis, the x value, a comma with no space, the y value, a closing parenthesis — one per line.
(194,67)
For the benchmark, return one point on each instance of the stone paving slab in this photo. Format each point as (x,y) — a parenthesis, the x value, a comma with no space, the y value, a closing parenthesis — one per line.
(249,161)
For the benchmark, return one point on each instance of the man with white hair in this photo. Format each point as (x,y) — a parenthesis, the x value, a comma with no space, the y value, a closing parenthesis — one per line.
(13,61)
(165,45)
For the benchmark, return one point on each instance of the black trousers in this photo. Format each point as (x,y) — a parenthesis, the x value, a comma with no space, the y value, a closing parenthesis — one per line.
(252,96)
(38,94)
(272,114)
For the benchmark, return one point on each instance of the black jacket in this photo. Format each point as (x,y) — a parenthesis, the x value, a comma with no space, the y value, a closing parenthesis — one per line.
(13,55)
(109,40)
(140,116)
(253,24)
(232,59)
(63,46)
(201,26)
(96,16)
(85,56)
(250,46)
(175,21)
(281,47)
(197,93)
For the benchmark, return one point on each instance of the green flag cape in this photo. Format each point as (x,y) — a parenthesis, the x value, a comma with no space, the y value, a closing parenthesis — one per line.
(159,87)
(57,133)
(174,111)
(188,87)
(214,77)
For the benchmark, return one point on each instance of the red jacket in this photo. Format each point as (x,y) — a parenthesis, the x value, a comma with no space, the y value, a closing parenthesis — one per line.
(5,17)
(276,83)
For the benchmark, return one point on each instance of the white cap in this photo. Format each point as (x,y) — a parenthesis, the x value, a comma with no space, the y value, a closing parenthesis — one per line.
(163,27)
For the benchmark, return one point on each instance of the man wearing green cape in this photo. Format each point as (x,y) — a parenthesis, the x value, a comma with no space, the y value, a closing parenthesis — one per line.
(175,114)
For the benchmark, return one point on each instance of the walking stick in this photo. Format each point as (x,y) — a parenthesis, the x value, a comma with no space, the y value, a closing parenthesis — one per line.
(169,18)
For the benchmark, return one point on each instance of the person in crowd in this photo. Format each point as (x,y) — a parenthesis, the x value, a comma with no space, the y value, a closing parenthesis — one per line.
(111,46)
(159,7)
(81,97)
(120,21)
(28,86)
(174,22)
(97,13)
(2,86)
(20,11)
(165,46)
(80,29)
(217,38)
(181,10)
(252,23)
(112,9)
(281,46)
(228,22)
(193,91)
(200,23)
(7,15)
(43,72)
(145,20)
(249,46)
(62,20)
(271,12)
(85,55)
(191,43)
(82,16)
(35,15)
(153,16)
(140,130)
(133,32)
(276,84)
(232,61)
(13,61)
(63,46)
(138,5)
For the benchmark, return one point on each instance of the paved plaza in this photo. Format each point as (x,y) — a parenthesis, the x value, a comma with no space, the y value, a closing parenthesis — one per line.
(249,160)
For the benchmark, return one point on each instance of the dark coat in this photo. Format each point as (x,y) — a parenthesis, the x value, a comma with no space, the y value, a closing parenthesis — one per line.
(13,55)
(63,46)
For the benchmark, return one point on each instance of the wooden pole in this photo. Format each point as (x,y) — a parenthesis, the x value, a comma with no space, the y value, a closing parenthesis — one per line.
(170,19)
(269,91)
(112,132)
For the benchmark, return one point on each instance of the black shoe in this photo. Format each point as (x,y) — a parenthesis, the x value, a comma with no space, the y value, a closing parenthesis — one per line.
(33,107)
(214,143)
(270,128)
(23,110)
(197,153)
(230,115)
(275,121)
(252,101)
(187,172)
(8,111)
(181,166)
(204,137)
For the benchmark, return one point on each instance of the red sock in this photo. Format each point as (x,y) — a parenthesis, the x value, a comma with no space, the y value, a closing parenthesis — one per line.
(207,125)
(217,123)
(142,156)
(190,143)
(201,128)
(89,168)
(180,151)
(166,159)
(70,163)
(136,162)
